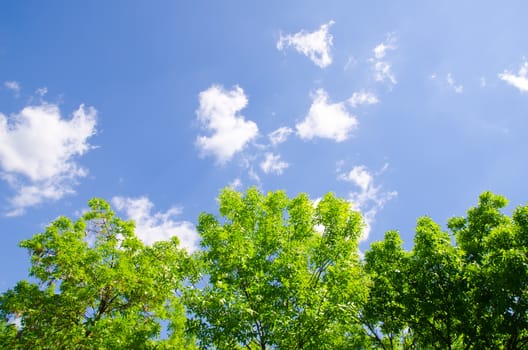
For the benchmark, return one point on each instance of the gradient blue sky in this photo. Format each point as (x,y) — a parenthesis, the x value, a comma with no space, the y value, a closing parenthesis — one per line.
(406,108)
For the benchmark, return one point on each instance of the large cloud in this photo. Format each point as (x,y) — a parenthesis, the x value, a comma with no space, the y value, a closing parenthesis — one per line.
(520,81)
(218,113)
(38,152)
(327,120)
(316,45)
(153,227)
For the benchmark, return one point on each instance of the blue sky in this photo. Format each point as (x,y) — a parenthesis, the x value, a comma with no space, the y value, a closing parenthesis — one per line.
(407,109)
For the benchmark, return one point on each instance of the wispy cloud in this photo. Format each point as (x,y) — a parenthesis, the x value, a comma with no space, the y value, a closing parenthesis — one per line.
(382,68)
(272,163)
(280,135)
(452,84)
(370,198)
(328,120)
(362,98)
(519,80)
(13,86)
(159,226)
(218,113)
(38,152)
(316,45)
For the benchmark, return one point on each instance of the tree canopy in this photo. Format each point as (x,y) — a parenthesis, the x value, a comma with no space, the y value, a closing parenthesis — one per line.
(275,273)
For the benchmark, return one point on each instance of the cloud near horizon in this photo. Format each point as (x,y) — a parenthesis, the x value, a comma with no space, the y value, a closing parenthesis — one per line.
(370,199)
(159,226)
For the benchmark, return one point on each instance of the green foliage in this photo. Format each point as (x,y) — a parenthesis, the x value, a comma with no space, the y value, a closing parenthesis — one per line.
(98,287)
(275,273)
(274,280)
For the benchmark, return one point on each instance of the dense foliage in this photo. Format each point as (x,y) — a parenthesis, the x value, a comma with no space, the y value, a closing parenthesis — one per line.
(275,273)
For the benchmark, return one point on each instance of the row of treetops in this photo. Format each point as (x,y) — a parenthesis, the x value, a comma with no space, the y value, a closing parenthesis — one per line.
(274,273)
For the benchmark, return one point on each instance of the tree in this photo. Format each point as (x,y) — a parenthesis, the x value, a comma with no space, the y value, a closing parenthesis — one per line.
(386,314)
(279,273)
(494,248)
(436,288)
(96,287)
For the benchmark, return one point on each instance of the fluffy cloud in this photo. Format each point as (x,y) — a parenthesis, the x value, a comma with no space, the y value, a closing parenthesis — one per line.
(382,68)
(326,120)
(218,113)
(38,151)
(273,164)
(316,45)
(370,199)
(159,226)
(452,84)
(280,135)
(520,81)
(13,86)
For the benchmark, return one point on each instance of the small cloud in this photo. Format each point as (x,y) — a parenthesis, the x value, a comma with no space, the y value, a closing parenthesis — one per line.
(452,84)
(236,184)
(382,68)
(327,120)
(218,113)
(316,45)
(273,164)
(483,82)
(13,86)
(370,199)
(280,135)
(520,81)
(41,166)
(361,98)
(381,50)
(383,72)
(160,226)
(433,76)
(42,91)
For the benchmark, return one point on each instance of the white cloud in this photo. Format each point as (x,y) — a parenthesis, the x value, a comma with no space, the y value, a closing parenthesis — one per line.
(381,50)
(42,91)
(326,120)
(13,86)
(159,226)
(361,98)
(316,45)
(38,151)
(280,135)
(452,83)
(370,199)
(273,164)
(218,113)
(383,72)
(382,68)
(236,184)
(520,81)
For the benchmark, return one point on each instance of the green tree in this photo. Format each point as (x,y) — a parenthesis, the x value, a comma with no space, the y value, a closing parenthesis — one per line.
(386,314)
(279,273)
(96,287)
(436,288)
(494,248)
